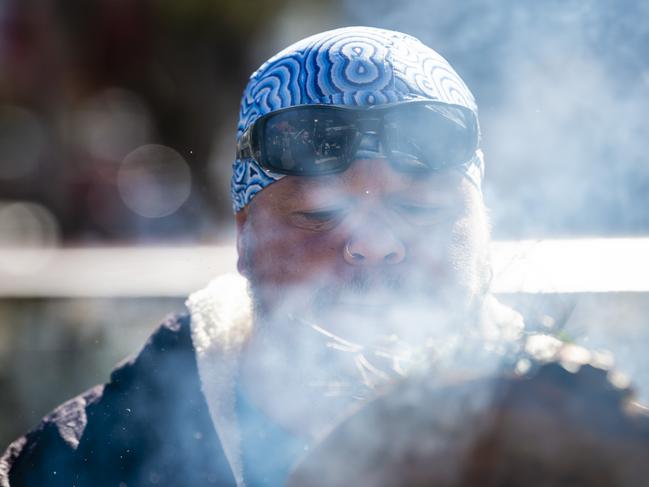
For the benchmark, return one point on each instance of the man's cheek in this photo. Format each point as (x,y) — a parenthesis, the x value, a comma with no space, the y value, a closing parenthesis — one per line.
(430,256)
(469,253)
(294,257)
(445,258)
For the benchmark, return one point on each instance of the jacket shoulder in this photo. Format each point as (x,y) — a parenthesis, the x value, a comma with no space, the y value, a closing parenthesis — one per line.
(49,447)
(140,426)
(171,339)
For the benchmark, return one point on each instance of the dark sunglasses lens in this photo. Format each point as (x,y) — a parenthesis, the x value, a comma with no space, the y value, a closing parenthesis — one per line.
(430,137)
(307,141)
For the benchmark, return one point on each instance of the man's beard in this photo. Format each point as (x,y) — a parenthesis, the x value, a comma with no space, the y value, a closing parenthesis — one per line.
(349,338)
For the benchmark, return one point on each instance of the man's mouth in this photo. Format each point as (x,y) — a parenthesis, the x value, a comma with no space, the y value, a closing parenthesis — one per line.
(379,297)
(362,320)
(388,304)
(363,304)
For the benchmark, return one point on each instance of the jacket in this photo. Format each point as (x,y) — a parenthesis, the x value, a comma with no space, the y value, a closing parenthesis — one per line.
(165,417)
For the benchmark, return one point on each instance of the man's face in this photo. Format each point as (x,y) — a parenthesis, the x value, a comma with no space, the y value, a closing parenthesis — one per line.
(366,252)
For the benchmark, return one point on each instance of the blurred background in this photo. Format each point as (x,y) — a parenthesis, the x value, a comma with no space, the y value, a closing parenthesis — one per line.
(117,122)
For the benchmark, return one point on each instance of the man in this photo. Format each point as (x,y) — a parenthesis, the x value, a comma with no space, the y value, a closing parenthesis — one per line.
(363,259)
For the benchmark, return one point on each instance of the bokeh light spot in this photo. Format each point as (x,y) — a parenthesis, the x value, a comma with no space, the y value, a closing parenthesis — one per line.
(114,123)
(154,181)
(30,231)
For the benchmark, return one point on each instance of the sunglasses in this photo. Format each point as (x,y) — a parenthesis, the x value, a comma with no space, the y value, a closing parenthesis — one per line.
(310,140)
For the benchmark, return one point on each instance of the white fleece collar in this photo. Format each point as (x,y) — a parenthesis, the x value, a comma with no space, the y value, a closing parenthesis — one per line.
(221,322)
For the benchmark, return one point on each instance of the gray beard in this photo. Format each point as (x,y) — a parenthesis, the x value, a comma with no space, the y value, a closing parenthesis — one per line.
(351,355)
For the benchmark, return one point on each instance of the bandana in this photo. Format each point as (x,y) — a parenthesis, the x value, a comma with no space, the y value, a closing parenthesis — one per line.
(355,66)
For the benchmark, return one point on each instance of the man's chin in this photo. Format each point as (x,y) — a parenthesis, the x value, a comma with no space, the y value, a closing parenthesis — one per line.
(352,348)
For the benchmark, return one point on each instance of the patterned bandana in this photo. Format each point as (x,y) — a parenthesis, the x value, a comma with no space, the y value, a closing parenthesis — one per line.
(358,66)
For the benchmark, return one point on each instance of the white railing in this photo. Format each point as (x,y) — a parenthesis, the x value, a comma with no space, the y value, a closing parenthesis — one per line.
(544,266)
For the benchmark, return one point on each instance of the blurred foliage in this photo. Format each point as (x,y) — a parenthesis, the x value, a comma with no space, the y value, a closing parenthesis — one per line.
(185,63)
(233,15)
(563,89)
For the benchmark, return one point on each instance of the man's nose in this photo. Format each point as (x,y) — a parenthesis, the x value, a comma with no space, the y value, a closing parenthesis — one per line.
(374,247)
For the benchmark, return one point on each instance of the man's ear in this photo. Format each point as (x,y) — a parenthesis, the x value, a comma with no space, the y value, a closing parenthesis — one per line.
(241,217)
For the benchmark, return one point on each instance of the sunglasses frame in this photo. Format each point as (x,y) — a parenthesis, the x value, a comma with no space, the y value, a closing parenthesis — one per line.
(250,145)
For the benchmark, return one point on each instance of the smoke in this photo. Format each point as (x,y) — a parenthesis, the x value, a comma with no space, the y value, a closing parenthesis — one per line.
(563,92)
(338,322)
(563,89)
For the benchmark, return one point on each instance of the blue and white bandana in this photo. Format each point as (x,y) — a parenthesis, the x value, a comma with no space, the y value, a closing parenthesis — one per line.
(356,66)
